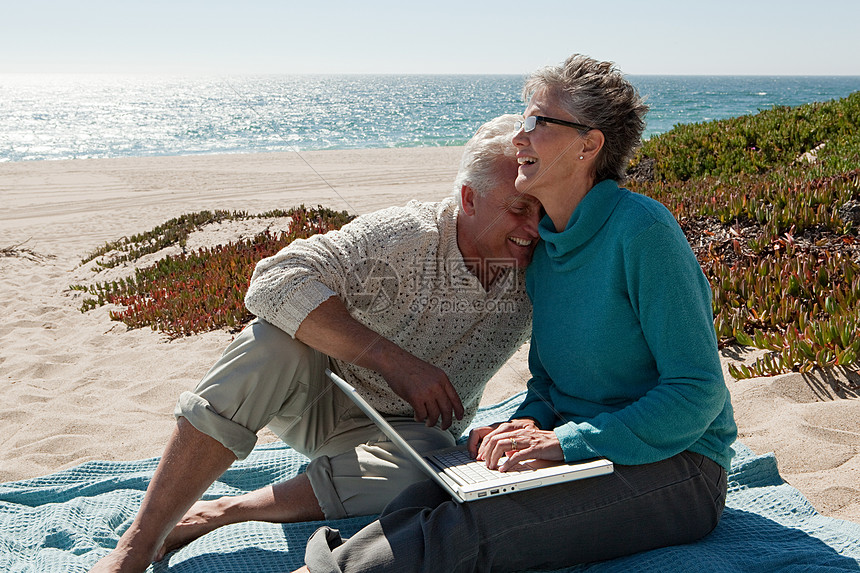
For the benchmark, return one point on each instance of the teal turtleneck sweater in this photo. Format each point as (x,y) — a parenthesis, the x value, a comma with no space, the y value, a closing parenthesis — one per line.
(623,355)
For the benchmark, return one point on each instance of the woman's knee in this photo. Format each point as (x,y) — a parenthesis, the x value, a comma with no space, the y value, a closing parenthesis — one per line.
(424,494)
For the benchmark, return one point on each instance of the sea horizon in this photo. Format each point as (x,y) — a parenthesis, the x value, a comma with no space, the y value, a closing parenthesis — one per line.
(391,74)
(50,116)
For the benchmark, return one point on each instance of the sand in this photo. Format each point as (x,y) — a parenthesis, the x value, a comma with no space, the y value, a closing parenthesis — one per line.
(77,386)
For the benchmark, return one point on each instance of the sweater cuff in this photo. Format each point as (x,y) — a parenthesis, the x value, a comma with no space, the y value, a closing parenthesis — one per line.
(294,308)
(573,445)
(543,418)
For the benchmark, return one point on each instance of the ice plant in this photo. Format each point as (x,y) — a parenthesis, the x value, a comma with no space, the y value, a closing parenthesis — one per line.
(204,290)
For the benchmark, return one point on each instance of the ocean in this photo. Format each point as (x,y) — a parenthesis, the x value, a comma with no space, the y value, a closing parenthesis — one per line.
(44,117)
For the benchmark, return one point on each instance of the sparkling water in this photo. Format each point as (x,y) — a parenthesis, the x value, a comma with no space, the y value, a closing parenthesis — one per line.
(79,116)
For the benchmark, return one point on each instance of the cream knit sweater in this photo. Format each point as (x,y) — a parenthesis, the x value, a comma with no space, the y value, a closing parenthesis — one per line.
(400,273)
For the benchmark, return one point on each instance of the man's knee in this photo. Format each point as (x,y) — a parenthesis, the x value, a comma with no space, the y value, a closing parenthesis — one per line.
(266,334)
(263,355)
(262,339)
(263,369)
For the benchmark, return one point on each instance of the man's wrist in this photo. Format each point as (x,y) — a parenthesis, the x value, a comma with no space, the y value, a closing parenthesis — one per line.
(382,356)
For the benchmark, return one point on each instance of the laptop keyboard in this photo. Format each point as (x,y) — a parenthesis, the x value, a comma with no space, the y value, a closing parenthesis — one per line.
(468,469)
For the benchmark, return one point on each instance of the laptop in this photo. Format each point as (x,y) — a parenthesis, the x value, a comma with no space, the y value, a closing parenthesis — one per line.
(467,479)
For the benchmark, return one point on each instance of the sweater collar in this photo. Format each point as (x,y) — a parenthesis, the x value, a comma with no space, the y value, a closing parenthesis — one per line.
(586,220)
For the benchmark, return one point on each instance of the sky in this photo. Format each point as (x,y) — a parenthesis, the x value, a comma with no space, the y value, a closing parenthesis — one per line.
(678,37)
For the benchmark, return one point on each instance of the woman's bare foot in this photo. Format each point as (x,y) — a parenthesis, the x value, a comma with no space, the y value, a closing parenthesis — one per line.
(203,517)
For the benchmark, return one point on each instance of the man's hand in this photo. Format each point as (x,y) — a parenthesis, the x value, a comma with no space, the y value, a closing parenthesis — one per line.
(330,329)
(426,388)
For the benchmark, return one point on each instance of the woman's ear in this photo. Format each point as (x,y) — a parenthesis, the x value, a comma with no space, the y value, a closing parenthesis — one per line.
(592,144)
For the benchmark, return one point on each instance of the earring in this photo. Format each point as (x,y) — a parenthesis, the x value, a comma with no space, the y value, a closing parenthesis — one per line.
(581,157)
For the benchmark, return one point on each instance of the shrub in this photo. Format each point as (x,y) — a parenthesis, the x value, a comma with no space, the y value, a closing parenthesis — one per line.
(190,293)
(751,144)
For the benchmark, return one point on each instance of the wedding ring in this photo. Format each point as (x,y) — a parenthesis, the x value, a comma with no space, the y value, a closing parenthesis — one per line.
(513,444)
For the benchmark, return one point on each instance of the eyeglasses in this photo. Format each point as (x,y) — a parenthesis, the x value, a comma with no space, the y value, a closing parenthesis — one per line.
(529,123)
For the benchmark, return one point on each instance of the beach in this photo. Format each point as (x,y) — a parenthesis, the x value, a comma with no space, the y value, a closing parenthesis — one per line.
(76,386)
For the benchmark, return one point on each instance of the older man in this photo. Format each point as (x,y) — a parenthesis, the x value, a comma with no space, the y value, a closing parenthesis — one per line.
(416,306)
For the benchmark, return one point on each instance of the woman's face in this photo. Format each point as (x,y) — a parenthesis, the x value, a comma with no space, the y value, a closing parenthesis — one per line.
(548,154)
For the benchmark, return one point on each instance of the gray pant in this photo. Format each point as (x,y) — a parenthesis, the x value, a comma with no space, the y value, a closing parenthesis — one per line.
(637,508)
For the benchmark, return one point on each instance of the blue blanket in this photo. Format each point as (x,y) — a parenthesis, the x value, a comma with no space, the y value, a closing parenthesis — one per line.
(66,521)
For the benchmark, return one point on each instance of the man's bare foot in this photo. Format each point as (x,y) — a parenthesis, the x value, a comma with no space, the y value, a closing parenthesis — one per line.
(122,560)
(203,517)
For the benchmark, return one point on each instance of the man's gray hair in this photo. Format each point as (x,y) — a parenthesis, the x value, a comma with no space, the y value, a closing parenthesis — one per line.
(597,94)
(479,166)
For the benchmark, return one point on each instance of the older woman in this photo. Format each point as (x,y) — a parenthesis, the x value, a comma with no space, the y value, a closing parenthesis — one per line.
(623,359)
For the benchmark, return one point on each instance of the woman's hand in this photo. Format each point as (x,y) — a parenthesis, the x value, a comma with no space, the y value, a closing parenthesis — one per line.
(476,437)
(518,440)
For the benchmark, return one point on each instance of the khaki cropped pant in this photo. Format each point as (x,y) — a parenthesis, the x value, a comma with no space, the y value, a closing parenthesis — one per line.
(267,378)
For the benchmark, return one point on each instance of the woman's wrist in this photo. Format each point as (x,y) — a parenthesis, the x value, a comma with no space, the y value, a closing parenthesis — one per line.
(527,418)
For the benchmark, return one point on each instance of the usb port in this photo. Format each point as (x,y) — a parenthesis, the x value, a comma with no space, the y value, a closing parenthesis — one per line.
(494,491)
(482,494)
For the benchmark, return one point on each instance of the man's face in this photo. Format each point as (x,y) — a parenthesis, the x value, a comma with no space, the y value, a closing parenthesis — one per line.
(499,229)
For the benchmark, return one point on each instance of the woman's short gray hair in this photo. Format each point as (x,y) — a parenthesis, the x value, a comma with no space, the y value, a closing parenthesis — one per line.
(479,166)
(597,94)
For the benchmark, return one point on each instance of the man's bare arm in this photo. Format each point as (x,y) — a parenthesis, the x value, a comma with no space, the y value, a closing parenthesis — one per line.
(330,329)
